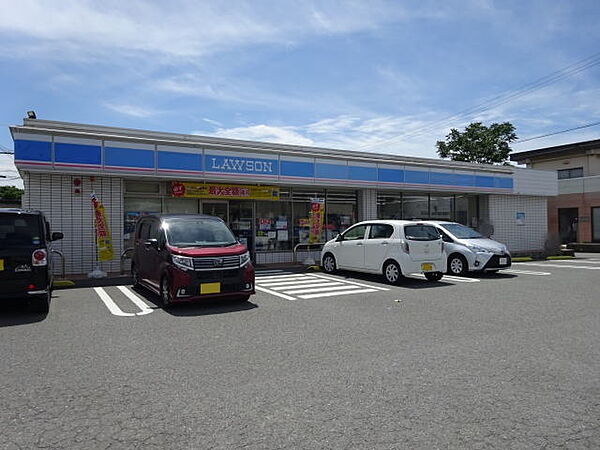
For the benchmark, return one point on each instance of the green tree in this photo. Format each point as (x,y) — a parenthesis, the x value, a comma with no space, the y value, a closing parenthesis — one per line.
(10,192)
(478,143)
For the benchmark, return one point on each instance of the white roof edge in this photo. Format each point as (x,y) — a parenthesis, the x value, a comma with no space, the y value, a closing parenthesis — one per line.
(165,138)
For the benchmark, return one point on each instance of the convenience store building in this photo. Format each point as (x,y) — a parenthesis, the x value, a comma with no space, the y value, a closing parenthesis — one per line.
(264,191)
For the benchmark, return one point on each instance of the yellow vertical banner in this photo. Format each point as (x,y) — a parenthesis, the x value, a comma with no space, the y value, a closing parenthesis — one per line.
(103,238)
(317,218)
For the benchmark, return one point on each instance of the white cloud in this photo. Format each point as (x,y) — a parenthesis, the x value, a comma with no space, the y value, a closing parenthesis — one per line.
(8,169)
(132,110)
(183,28)
(264,133)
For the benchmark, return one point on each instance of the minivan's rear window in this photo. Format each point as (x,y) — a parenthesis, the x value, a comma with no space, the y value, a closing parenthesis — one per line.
(421,233)
(18,230)
(198,233)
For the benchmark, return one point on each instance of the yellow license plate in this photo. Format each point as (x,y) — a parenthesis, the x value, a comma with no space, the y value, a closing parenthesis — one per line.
(427,267)
(1,264)
(210,288)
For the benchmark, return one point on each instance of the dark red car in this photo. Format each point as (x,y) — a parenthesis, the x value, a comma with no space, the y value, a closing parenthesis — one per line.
(187,257)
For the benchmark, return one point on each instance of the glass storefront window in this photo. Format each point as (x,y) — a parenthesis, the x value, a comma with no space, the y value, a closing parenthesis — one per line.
(241,215)
(415,207)
(142,187)
(340,210)
(340,216)
(273,222)
(134,208)
(466,210)
(440,207)
(181,206)
(389,206)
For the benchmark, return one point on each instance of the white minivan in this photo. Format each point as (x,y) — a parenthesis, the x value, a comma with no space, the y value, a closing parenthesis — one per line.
(393,248)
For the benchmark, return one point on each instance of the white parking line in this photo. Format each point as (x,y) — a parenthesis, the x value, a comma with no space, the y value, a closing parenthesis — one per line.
(281,277)
(575,261)
(277,294)
(326,277)
(145,309)
(525,272)
(321,288)
(114,308)
(110,304)
(447,278)
(560,266)
(291,283)
(309,286)
(272,271)
(331,294)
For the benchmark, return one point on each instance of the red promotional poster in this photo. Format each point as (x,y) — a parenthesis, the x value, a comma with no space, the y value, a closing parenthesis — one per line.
(317,218)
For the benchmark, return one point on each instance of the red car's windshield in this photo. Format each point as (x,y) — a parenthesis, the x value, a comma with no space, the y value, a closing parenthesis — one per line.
(198,233)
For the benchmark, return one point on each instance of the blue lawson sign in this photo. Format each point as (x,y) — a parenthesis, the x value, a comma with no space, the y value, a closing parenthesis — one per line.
(236,164)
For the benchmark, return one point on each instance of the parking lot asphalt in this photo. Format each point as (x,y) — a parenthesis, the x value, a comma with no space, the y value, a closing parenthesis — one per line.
(313,361)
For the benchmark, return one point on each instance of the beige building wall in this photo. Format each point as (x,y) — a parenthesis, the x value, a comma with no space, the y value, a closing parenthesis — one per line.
(590,164)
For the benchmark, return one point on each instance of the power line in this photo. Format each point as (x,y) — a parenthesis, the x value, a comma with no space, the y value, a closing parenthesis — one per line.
(501,99)
(593,124)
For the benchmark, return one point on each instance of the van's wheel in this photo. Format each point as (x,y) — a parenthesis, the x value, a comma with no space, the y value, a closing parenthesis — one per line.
(457,265)
(41,304)
(135,276)
(165,293)
(434,276)
(392,272)
(329,265)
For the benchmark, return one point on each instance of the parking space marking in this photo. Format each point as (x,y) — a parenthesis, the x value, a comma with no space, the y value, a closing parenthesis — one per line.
(331,294)
(281,277)
(310,286)
(273,283)
(145,309)
(271,272)
(110,304)
(277,294)
(575,261)
(326,277)
(114,308)
(448,278)
(559,266)
(526,272)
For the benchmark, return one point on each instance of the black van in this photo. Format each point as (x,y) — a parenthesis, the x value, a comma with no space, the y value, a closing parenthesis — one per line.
(25,270)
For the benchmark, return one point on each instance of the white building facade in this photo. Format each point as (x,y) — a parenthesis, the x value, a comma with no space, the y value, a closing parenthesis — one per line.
(265,192)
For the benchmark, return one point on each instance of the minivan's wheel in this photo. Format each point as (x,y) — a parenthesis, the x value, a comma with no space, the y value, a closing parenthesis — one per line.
(392,272)
(434,276)
(135,276)
(165,293)
(457,265)
(40,304)
(329,265)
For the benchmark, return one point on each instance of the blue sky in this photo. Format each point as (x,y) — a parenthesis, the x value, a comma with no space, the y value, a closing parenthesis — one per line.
(380,76)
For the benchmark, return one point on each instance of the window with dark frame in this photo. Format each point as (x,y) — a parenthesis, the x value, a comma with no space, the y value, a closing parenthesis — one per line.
(575,172)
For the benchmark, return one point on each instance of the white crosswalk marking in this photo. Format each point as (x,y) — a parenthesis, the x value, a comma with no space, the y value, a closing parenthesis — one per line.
(310,286)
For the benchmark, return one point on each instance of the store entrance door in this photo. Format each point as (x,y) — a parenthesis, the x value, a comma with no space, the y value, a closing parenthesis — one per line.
(218,209)
(241,222)
(568,219)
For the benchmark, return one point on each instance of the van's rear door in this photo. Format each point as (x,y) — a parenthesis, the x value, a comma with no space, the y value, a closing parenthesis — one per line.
(424,242)
(20,236)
